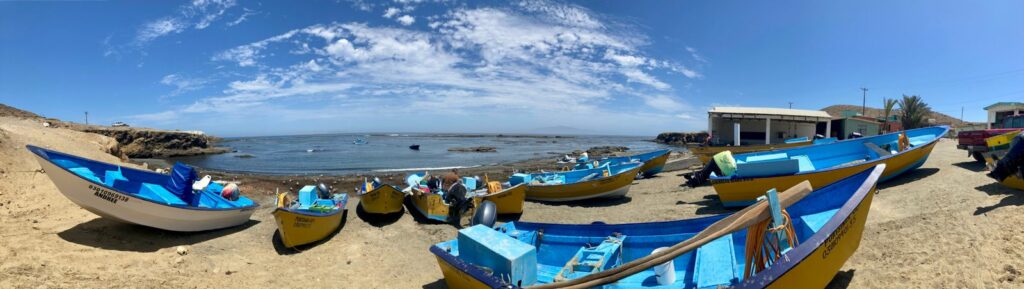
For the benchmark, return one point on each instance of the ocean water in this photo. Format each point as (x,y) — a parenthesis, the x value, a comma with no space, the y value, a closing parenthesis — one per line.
(335,154)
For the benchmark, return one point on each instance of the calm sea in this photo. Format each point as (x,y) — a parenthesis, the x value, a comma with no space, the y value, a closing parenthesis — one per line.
(336,154)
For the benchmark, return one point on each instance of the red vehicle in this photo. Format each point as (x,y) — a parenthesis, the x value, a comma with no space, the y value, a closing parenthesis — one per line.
(974,141)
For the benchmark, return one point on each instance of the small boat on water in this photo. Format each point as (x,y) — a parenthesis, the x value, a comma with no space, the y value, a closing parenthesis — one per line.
(415,147)
(608,181)
(507,198)
(824,164)
(823,229)
(176,202)
(653,162)
(704,153)
(359,141)
(377,198)
(998,146)
(315,215)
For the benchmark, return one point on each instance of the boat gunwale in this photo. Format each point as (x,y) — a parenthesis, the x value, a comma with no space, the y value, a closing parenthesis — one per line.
(731,179)
(44,154)
(637,168)
(770,275)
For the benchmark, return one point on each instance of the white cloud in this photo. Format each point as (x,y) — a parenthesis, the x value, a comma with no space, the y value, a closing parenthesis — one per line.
(245,16)
(197,14)
(684,116)
(406,20)
(391,12)
(182,84)
(535,58)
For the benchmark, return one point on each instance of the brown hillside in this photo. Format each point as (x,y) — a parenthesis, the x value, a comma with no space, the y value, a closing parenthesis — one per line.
(837,111)
(14,112)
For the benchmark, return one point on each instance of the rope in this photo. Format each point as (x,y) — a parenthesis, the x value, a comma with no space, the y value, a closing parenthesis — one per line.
(763,247)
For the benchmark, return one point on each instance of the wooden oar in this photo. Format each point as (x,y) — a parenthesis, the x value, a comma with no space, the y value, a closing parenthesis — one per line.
(740,220)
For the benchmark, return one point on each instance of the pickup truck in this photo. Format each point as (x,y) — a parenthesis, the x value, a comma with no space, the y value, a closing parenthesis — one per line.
(974,141)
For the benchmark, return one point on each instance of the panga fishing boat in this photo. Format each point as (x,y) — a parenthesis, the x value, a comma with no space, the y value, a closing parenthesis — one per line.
(607,181)
(704,153)
(653,162)
(825,163)
(998,146)
(176,202)
(507,198)
(761,246)
(376,198)
(310,218)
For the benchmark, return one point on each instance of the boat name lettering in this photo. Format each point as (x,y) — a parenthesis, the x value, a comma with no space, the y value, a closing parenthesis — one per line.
(303,222)
(838,234)
(107,195)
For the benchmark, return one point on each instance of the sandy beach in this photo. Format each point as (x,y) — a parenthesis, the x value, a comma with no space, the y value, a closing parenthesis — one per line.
(944,225)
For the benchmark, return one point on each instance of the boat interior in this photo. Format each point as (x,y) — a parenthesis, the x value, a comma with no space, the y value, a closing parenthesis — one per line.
(564,251)
(171,190)
(570,177)
(820,157)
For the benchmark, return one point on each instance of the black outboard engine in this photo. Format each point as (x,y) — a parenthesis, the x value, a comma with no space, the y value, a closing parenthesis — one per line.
(1012,163)
(486,214)
(324,190)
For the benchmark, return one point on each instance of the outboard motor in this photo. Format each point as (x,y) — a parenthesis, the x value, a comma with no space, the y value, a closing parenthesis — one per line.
(324,191)
(486,214)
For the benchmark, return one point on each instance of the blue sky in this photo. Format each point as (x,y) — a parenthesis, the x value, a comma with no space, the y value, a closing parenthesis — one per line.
(237,68)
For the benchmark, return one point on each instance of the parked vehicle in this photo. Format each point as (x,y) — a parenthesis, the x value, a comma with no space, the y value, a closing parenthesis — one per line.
(119,124)
(974,141)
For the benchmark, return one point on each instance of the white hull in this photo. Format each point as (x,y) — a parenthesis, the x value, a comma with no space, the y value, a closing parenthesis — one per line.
(617,193)
(113,204)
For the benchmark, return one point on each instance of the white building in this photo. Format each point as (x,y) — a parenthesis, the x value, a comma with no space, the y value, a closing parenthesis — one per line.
(762,125)
(997,112)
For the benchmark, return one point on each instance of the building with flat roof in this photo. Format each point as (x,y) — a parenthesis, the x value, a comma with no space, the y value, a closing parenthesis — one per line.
(763,125)
(1000,110)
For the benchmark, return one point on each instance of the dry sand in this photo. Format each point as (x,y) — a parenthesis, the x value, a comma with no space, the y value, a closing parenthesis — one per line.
(942,226)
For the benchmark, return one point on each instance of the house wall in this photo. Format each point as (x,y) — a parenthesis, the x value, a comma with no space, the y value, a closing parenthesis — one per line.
(752,130)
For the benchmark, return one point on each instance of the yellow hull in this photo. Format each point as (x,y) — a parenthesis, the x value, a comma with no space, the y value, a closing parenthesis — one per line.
(655,165)
(382,200)
(296,228)
(742,192)
(1011,181)
(456,279)
(613,186)
(705,153)
(509,201)
(818,268)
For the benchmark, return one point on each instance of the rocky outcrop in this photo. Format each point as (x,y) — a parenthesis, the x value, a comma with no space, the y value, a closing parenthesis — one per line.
(474,149)
(147,143)
(681,138)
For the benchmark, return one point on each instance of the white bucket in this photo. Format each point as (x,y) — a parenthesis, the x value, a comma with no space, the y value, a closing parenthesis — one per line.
(666,272)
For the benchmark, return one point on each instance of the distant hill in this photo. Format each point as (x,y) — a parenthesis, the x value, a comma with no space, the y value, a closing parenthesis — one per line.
(837,111)
(10,111)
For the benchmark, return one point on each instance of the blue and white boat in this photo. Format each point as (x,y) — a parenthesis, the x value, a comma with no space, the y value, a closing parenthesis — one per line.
(653,162)
(826,229)
(167,202)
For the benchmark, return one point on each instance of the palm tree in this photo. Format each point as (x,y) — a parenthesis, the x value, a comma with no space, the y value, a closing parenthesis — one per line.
(913,112)
(888,105)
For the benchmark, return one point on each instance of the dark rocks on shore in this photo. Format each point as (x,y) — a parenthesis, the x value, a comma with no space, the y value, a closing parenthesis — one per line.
(681,138)
(482,149)
(606,150)
(146,143)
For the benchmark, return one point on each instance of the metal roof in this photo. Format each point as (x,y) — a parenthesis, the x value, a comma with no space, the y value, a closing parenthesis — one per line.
(1010,104)
(768,112)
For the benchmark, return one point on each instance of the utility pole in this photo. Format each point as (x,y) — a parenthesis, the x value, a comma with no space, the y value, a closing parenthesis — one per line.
(864,102)
(961,115)
(86,118)
(790,104)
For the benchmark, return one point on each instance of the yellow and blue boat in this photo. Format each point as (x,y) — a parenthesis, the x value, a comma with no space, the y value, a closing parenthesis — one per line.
(310,218)
(826,226)
(998,146)
(376,198)
(608,181)
(653,162)
(507,198)
(824,164)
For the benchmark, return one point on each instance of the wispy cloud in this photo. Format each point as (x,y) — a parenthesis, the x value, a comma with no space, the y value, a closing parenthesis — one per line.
(198,14)
(534,58)
(182,84)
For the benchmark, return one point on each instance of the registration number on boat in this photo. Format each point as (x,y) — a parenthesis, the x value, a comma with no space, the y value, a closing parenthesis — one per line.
(109,196)
(302,222)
